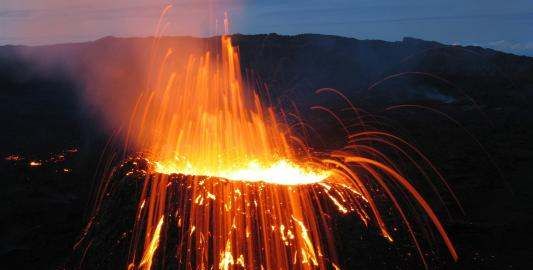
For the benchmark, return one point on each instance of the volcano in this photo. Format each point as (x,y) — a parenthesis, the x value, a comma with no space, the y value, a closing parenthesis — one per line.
(499,94)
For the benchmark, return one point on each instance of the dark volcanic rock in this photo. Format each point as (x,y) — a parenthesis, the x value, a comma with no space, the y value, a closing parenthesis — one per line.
(106,239)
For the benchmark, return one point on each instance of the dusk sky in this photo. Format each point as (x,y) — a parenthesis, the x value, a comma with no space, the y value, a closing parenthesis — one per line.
(503,25)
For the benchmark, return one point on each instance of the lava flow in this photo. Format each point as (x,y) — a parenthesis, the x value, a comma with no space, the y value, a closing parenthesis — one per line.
(229,185)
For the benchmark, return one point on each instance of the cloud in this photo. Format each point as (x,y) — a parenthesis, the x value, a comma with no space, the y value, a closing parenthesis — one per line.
(521,48)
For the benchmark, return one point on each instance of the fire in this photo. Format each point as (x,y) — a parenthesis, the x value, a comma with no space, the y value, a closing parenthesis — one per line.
(237,191)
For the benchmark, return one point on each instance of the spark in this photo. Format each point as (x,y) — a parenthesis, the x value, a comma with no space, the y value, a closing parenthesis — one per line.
(226,258)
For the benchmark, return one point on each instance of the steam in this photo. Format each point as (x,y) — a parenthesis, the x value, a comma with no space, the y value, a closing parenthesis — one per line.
(109,73)
(59,21)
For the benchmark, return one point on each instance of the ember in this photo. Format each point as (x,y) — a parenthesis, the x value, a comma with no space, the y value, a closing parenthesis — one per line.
(13,158)
(35,163)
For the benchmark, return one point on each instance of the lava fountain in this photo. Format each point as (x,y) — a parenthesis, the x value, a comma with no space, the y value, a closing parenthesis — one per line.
(206,122)
(228,185)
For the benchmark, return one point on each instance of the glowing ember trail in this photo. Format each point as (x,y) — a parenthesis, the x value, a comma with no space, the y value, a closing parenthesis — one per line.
(146,262)
(227,187)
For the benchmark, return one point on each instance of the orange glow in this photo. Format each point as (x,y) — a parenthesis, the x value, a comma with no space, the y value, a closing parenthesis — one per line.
(13,158)
(281,172)
(35,163)
(204,120)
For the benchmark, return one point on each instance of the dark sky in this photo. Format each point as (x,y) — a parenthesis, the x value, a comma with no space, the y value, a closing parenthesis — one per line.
(505,25)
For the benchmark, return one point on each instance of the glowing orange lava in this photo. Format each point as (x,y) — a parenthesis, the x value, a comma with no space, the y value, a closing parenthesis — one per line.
(204,121)
(282,172)
(247,197)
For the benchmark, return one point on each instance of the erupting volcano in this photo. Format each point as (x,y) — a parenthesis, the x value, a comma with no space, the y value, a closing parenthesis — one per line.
(228,185)
(205,121)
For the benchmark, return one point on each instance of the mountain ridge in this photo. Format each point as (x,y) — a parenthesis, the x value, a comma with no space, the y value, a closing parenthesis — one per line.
(405,39)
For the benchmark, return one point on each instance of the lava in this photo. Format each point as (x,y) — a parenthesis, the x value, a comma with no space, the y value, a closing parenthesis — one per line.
(234,187)
(204,120)
(282,172)
(35,163)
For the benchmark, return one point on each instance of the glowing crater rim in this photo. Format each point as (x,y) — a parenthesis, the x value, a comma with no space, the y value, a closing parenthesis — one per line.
(281,172)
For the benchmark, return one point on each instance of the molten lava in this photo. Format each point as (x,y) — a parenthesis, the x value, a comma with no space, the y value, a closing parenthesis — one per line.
(248,197)
(229,185)
(203,120)
(281,172)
